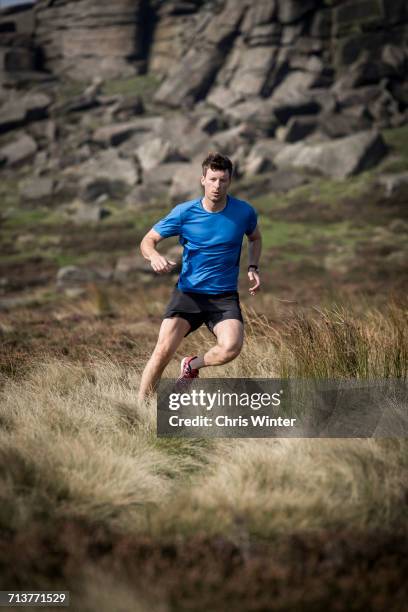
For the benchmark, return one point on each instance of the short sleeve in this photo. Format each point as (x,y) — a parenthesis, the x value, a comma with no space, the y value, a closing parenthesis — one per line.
(169,225)
(252,221)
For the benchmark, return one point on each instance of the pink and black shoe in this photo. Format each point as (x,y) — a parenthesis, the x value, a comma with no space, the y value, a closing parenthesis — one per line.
(187,373)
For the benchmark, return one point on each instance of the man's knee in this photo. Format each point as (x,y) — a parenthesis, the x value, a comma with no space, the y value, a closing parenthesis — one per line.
(230,350)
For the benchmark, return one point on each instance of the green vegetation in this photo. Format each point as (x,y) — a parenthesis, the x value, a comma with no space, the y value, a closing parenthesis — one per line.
(397,140)
(319,191)
(141,85)
(280,233)
(30,219)
(9,194)
(68,89)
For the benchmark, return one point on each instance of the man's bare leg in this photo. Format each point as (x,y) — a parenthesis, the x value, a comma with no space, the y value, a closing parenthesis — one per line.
(230,337)
(172,332)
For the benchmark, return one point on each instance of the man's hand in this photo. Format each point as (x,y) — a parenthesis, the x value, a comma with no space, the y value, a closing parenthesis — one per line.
(254,278)
(160,264)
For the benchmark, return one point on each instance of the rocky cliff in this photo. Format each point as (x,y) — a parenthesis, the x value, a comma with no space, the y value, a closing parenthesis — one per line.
(231,49)
(106,107)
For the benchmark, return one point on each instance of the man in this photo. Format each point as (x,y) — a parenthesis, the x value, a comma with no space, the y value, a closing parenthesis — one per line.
(211,230)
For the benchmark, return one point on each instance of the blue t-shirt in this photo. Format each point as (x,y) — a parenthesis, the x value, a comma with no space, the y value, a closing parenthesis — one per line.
(212,243)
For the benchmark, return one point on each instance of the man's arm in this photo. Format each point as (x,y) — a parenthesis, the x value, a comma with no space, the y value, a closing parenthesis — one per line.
(254,253)
(254,247)
(158,262)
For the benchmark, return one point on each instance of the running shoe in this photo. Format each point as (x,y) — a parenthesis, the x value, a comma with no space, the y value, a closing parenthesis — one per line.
(186,371)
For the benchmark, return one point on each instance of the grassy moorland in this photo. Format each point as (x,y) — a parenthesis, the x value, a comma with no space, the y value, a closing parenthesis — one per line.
(93,502)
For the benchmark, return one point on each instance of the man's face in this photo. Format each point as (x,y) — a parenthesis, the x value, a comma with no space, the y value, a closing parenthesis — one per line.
(216,183)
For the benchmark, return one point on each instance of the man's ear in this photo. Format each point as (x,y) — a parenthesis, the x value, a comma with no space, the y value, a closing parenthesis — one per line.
(202,180)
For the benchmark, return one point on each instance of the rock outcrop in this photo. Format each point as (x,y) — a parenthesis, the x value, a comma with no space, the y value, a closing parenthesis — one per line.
(87,37)
(282,86)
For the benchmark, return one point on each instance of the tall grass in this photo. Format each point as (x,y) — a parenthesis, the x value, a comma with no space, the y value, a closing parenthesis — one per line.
(334,343)
(75,444)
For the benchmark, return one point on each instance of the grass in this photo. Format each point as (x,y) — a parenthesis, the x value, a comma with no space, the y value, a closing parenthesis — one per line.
(397,140)
(302,236)
(74,443)
(80,461)
(319,190)
(280,233)
(141,85)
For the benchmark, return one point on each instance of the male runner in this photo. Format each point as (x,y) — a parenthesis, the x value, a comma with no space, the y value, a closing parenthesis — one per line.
(211,230)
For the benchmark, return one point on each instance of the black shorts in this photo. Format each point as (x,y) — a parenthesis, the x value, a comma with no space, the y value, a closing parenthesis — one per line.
(199,308)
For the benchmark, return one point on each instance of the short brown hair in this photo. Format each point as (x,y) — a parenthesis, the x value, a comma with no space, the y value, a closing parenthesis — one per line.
(216,161)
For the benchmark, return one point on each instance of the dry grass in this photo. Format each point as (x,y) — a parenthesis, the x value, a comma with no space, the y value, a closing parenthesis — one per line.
(332,343)
(74,444)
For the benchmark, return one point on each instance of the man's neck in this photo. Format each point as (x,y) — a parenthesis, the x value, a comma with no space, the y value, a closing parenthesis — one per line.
(211,206)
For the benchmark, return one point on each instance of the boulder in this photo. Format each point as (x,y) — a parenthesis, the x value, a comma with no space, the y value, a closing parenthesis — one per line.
(86,38)
(129,265)
(76,104)
(114,134)
(82,212)
(91,188)
(337,125)
(267,148)
(383,108)
(203,60)
(283,180)
(256,164)
(311,63)
(350,48)
(290,35)
(394,184)
(19,151)
(339,159)
(294,85)
(259,13)
(370,67)
(12,115)
(163,174)
(228,141)
(201,65)
(148,195)
(39,189)
(17,112)
(254,70)
(128,106)
(158,151)
(299,128)
(396,58)
(292,97)
(256,113)
(223,98)
(239,159)
(36,106)
(186,183)
(75,275)
(264,35)
(325,98)
(108,165)
(211,122)
(295,107)
(362,95)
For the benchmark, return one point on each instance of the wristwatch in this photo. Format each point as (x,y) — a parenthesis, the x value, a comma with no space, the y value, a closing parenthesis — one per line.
(253,267)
